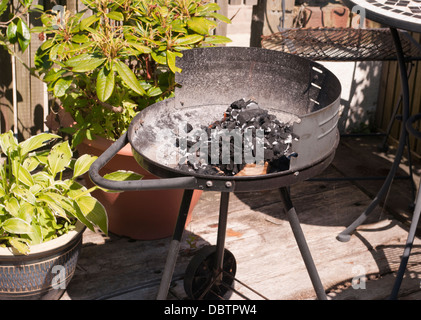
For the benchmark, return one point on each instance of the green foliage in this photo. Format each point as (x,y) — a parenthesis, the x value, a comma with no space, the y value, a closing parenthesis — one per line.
(108,66)
(36,203)
(16,30)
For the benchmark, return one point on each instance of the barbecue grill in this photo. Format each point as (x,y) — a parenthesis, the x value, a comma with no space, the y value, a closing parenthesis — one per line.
(295,89)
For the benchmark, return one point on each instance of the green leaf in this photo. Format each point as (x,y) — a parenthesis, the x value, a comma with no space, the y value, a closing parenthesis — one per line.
(154,92)
(201,25)
(189,39)
(24,35)
(87,22)
(26,212)
(205,9)
(84,62)
(24,176)
(20,245)
(8,142)
(3,6)
(11,32)
(129,77)
(61,87)
(17,226)
(83,164)
(121,175)
(171,60)
(139,47)
(36,142)
(12,206)
(51,202)
(94,211)
(216,40)
(159,57)
(115,15)
(220,17)
(80,38)
(105,84)
(59,158)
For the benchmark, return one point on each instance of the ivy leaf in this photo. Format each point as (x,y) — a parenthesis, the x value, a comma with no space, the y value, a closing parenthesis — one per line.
(129,77)
(23,34)
(105,84)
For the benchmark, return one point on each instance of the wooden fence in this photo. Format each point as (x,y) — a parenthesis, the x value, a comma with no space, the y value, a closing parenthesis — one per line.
(390,96)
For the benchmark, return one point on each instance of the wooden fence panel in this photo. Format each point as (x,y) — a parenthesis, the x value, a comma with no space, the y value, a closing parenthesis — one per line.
(390,95)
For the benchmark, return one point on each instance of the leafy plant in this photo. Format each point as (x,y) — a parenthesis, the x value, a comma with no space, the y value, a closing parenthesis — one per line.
(15,29)
(36,203)
(106,67)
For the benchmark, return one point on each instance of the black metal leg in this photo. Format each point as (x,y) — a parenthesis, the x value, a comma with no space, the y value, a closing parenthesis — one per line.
(346,234)
(222,229)
(302,244)
(408,247)
(175,245)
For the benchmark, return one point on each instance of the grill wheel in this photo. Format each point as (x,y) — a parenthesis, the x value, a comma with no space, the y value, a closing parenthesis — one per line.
(200,281)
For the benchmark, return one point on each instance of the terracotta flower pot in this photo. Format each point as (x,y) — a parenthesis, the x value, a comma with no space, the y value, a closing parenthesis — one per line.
(45,272)
(141,215)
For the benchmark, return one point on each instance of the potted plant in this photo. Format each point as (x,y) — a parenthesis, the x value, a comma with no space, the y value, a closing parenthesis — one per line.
(43,208)
(106,67)
(42,216)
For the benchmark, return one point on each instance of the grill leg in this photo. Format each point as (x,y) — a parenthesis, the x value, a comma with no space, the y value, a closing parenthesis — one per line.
(175,246)
(346,234)
(222,229)
(302,244)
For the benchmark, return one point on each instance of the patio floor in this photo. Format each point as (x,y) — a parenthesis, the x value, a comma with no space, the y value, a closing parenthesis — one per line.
(261,240)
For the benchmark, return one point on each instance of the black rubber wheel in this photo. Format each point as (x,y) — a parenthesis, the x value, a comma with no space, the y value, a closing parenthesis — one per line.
(201,271)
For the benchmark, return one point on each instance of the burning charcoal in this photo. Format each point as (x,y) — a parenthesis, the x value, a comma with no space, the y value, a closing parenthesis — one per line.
(244,115)
(239,104)
(252,105)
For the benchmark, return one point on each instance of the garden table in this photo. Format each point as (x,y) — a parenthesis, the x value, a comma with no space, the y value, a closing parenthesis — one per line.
(396,14)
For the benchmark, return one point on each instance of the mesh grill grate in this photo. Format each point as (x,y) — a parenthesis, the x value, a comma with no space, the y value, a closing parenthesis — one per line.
(341,44)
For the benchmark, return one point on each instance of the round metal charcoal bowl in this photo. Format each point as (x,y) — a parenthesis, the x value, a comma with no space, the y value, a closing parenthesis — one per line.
(296,90)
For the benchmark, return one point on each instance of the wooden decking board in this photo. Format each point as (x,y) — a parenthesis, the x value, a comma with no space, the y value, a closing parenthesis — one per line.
(261,240)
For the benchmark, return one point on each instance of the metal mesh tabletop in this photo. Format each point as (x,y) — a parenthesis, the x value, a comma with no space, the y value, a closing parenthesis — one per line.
(341,44)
